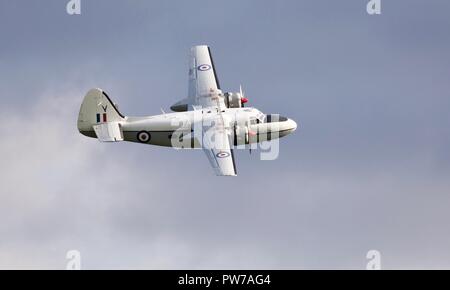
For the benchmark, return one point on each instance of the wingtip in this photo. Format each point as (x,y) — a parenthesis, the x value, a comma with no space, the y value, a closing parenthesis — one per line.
(200,46)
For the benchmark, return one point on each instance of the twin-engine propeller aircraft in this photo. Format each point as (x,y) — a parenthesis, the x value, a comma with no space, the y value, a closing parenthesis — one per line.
(209,119)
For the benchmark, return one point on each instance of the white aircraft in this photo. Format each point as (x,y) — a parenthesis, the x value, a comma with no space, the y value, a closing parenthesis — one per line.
(207,118)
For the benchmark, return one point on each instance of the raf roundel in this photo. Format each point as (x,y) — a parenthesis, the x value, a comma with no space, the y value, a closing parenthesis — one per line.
(143,137)
(222,154)
(204,67)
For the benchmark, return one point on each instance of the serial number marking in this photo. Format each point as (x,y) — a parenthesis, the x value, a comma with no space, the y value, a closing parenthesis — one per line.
(241,279)
(246,279)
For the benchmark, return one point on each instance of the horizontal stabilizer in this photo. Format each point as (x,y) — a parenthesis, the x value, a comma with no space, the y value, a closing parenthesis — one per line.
(109,132)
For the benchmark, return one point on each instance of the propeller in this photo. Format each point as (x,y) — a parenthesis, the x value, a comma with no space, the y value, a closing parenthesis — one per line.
(243,98)
(250,133)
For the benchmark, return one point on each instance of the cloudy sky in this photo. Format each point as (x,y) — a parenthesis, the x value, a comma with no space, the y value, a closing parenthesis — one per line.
(368,169)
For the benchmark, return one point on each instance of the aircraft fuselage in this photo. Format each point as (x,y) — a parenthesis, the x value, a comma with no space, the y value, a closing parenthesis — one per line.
(178,129)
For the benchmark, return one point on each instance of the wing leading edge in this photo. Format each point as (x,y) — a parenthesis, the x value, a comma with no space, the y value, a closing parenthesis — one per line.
(204,91)
(204,87)
(219,151)
(222,160)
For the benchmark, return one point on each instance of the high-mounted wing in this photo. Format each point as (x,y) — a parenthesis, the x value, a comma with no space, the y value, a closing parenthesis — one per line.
(217,146)
(221,158)
(204,91)
(204,86)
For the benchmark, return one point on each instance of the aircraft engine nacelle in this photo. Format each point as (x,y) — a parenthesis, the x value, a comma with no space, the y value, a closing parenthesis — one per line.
(234,100)
(241,135)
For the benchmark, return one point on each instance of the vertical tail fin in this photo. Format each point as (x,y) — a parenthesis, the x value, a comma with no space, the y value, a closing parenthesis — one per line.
(96,108)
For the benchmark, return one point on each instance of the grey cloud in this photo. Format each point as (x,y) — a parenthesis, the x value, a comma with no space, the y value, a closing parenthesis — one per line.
(368,169)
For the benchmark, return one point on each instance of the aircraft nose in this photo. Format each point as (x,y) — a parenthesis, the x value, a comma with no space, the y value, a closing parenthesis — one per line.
(289,126)
(292,125)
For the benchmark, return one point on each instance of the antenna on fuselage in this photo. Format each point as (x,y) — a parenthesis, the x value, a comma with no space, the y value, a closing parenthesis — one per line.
(163,111)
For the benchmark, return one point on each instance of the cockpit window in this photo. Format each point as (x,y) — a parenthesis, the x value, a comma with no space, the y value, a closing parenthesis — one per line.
(260,117)
(274,118)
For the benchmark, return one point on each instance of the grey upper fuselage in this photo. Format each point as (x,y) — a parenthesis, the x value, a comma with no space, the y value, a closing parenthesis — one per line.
(163,127)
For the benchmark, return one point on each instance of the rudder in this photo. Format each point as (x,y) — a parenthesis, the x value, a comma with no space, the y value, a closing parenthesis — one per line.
(96,108)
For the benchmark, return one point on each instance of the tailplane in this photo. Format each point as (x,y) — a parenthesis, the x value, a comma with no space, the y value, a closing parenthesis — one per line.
(99,117)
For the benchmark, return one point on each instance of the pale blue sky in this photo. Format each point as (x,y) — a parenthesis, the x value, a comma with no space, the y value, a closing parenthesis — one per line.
(368,169)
